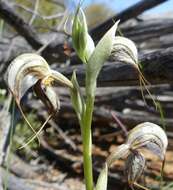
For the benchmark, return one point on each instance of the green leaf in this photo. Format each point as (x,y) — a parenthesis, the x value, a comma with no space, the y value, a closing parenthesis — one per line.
(102,179)
(76,97)
(98,58)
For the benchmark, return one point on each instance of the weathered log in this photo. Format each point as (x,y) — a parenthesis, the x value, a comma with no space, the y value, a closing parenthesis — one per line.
(64,160)
(157,67)
(131,118)
(25,30)
(16,183)
(20,168)
(8,14)
(103,117)
(5,124)
(149,29)
(30,35)
(125,15)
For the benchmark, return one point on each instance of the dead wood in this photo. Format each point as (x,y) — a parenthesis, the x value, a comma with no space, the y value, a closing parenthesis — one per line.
(125,15)
(15,183)
(5,124)
(56,47)
(149,29)
(129,114)
(20,168)
(30,35)
(156,66)
(62,158)
(13,19)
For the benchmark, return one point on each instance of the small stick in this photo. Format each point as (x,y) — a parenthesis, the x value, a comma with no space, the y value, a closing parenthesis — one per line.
(123,127)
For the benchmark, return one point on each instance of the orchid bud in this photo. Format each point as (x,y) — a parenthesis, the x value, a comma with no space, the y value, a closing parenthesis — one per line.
(82,42)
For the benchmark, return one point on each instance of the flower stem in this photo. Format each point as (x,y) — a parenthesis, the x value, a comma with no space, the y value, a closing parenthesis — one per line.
(87,143)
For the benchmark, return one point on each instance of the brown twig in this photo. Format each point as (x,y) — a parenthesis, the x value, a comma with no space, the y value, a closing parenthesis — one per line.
(120,124)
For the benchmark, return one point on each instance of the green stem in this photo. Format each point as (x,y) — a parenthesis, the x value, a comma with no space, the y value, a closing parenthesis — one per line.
(10,144)
(87,143)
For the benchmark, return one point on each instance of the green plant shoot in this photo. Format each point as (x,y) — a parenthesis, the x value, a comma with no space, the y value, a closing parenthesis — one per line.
(31,70)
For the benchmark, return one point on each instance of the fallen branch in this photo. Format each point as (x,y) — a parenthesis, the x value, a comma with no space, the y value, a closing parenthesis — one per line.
(125,15)
(30,35)
(5,124)
(150,29)
(8,14)
(157,67)
(16,183)
(25,30)
(20,168)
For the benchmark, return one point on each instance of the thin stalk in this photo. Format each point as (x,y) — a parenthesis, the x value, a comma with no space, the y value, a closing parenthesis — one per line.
(10,145)
(87,143)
